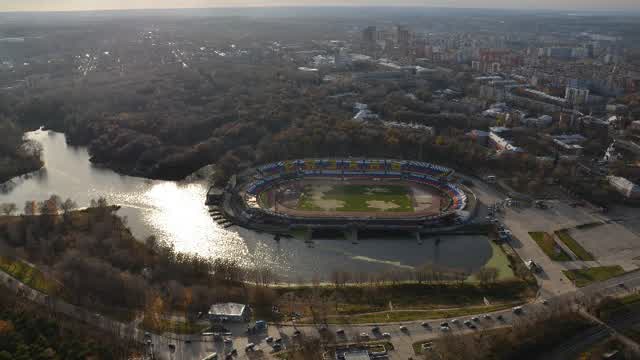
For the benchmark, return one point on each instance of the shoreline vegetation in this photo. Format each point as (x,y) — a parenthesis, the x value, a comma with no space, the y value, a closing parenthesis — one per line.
(90,258)
(18,156)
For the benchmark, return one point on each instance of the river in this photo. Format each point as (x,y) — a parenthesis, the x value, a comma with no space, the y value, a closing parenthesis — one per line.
(175,212)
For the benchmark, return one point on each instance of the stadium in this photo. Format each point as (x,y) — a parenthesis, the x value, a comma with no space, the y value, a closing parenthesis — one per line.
(347,193)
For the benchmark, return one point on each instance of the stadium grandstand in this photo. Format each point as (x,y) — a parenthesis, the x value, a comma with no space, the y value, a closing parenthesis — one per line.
(312,191)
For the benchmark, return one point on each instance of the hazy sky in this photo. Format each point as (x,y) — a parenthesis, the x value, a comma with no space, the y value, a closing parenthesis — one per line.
(64,5)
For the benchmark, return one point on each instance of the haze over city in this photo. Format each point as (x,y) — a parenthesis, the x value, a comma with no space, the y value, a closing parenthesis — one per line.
(85,5)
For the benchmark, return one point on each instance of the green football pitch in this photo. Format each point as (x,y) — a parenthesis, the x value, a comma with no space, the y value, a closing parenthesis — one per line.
(356,198)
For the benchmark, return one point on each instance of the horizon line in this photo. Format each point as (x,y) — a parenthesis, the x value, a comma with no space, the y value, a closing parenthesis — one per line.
(338,5)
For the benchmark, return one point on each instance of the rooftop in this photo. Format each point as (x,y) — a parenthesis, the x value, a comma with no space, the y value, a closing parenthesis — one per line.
(357,355)
(227,309)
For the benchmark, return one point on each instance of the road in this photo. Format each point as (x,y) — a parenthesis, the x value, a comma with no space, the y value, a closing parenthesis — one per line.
(401,340)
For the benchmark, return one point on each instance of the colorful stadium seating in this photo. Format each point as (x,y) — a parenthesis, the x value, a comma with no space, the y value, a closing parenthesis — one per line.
(416,171)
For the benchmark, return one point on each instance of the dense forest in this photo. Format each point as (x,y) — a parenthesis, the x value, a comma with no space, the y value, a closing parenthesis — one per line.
(166,123)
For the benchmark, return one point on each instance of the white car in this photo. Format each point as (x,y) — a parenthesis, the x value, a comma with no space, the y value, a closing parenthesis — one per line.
(444,328)
(386,335)
(364,336)
(455,321)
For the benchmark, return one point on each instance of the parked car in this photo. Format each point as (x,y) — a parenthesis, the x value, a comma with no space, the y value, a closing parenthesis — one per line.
(517,310)
(427,346)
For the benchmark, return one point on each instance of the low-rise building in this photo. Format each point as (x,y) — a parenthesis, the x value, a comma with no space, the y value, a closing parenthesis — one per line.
(233,312)
(625,187)
(353,355)
(569,144)
(539,122)
(499,138)
(479,136)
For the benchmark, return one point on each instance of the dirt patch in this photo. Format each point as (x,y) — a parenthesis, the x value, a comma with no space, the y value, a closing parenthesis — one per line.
(382,205)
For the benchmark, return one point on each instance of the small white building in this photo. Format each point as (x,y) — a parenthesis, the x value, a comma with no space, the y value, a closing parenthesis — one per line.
(232,312)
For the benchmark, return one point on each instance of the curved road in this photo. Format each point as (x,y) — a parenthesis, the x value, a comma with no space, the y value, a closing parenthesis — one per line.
(192,347)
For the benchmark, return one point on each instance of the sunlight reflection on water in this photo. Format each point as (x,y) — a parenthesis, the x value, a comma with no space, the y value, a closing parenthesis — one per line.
(175,212)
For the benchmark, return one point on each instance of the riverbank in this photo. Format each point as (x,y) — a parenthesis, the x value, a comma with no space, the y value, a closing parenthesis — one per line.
(95,262)
(18,166)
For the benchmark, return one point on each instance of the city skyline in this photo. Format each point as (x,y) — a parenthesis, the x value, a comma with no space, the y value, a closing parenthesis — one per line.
(83,5)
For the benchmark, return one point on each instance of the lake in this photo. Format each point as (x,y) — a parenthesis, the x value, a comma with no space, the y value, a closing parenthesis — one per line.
(175,212)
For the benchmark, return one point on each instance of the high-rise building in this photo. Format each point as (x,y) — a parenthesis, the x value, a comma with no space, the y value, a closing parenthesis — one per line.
(419,48)
(576,96)
(402,39)
(369,37)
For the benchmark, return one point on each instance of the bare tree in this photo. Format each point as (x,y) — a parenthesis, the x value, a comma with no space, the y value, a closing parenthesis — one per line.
(9,208)
(68,206)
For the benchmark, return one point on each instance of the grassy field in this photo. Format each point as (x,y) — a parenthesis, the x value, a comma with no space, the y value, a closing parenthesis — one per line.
(28,275)
(573,245)
(414,315)
(500,261)
(549,246)
(404,302)
(175,327)
(584,277)
(615,307)
(390,198)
